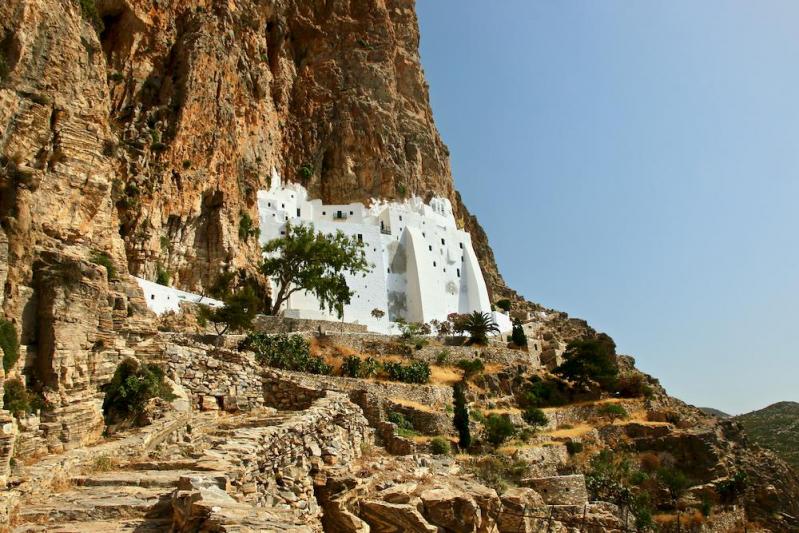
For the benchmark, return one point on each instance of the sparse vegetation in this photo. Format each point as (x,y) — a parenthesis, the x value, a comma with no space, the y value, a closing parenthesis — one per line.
(412,333)
(413,372)
(9,343)
(306,172)
(574,447)
(504,304)
(287,352)
(633,385)
(541,392)
(104,260)
(133,385)
(355,367)
(498,472)
(304,260)
(88,9)
(731,489)
(16,398)
(162,276)
(4,70)
(246,228)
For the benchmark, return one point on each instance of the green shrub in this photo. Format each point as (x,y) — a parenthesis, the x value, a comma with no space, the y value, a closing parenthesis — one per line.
(132,386)
(535,417)
(287,352)
(498,472)
(730,489)
(440,446)
(16,398)
(574,447)
(237,314)
(88,9)
(413,372)
(246,229)
(162,276)
(351,366)
(306,171)
(9,344)
(504,304)
(442,357)
(544,393)
(461,415)
(613,411)
(399,419)
(471,367)
(104,260)
(498,429)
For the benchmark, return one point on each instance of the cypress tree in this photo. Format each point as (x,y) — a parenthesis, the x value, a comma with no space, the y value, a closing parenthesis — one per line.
(461,418)
(517,335)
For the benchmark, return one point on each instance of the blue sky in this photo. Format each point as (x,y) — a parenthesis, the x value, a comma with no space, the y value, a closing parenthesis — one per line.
(636,164)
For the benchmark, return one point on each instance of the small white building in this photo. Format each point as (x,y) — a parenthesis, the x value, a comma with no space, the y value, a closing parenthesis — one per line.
(161,299)
(424,266)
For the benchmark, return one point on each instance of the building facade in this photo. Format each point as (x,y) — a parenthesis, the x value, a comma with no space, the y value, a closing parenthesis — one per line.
(424,267)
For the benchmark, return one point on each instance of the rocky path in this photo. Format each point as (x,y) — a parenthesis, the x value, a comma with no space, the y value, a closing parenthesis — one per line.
(137,495)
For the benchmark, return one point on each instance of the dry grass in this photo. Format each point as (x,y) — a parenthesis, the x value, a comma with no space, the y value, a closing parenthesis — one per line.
(503,411)
(414,405)
(61,482)
(575,431)
(445,375)
(102,463)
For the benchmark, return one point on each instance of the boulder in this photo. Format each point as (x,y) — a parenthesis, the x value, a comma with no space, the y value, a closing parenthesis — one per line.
(521,507)
(385,517)
(450,510)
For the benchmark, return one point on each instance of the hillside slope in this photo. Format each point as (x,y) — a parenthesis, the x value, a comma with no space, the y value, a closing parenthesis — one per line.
(775,427)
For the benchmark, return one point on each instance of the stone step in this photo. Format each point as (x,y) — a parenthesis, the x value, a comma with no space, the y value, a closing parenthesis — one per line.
(134,478)
(162,465)
(100,526)
(84,504)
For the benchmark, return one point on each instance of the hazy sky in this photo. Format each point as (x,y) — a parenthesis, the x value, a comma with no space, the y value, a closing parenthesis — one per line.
(636,164)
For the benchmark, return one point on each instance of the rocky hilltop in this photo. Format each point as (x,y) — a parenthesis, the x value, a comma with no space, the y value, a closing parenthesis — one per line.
(135,135)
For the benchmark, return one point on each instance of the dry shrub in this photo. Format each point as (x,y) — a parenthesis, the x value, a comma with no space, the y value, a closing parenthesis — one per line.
(650,462)
(61,482)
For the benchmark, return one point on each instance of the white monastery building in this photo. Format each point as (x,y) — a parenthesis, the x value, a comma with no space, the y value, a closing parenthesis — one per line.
(424,267)
(161,299)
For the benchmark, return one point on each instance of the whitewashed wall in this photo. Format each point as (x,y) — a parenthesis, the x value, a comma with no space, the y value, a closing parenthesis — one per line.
(161,299)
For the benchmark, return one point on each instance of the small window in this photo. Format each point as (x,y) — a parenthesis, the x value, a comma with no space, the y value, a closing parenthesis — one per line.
(423,235)
(459,272)
(298,212)
(442,241)
(461,245)
(431,247)
(292,196)
(152,297)
(389,271)
(360,237)
(324,212)
(269,204)
(400,218)
(434,263)
(282,232)
(283,206)
(351,213)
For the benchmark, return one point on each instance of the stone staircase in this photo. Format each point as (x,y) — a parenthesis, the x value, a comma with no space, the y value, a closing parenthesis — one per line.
(136,496)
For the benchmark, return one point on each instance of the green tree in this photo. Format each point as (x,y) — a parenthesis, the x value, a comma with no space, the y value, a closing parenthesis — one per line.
(504,304)
(591,360)
(498,429)
(675,482)
(132,386)
(518,336)
(305,260)
(461,415)
(479,325)
(237,314)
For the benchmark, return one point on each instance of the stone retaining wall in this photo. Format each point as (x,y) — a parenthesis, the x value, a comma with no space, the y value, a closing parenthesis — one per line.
(279,324)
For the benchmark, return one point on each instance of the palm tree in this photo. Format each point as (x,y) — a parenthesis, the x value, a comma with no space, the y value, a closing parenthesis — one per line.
(479,325)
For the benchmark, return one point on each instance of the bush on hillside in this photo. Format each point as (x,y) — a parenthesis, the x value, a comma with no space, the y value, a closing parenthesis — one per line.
(18,400)
(413,372)
(9,344)
(504,304)
(471,367)
(286,352)
(440,446)
(613,411)
(104,260)
(544,393)
(132,386)
(498,429)
(633,385)
(535,417)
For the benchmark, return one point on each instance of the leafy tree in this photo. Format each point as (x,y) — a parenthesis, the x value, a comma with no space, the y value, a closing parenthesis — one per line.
(591,360)
(535,417)
(675,482)
(518,336)
(498,429)
(8,344)
(132,386)
(461,415)
(162,276)
(544,393)
(730,489)
(237,314)
(479,325)
(304,260)
(613,411)
(471,367)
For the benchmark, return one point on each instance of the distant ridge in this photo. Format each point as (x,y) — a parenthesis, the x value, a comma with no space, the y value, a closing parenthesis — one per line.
(714,412)
(775,427)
